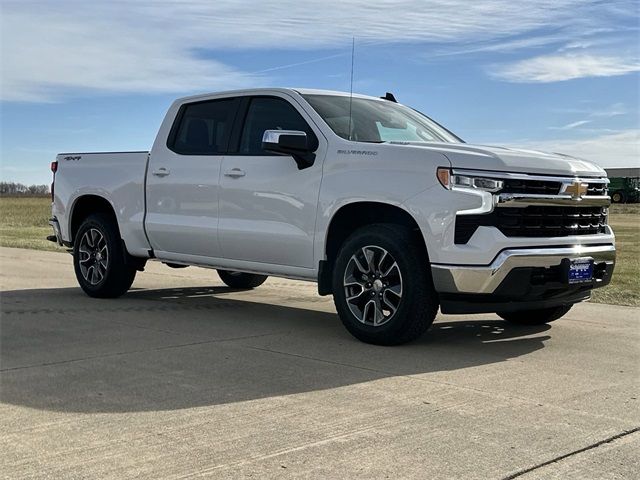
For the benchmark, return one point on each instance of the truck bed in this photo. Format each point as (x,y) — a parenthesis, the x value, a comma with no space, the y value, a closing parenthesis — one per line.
(116,176)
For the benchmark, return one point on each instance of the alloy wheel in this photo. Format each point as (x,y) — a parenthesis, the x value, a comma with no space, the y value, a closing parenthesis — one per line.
(373,285)
(94,256)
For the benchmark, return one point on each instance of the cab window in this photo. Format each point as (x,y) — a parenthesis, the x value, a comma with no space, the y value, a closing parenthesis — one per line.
(203,128)
(269,113)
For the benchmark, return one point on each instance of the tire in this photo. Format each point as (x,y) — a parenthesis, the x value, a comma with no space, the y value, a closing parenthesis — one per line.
(241,279)
(391,319)
(535,317)
(99,258)
(618,197)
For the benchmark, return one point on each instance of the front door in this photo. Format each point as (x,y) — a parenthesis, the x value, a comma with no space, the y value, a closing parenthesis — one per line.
(267,205)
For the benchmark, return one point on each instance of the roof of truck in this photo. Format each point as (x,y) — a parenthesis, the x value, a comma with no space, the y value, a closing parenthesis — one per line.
(258,91)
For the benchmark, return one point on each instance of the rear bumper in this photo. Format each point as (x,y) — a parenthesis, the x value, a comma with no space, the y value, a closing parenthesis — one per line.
(57,235)
(519,279)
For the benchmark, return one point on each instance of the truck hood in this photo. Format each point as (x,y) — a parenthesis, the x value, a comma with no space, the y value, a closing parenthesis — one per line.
(503,159)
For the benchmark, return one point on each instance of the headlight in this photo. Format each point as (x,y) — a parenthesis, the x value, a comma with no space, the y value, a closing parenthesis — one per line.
(450,180)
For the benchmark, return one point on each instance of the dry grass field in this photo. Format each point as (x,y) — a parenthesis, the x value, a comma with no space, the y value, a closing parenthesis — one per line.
(23,224)
(625,286)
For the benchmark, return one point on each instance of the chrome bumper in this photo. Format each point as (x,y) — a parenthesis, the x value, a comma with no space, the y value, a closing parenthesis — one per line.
(485,279)
(521,200)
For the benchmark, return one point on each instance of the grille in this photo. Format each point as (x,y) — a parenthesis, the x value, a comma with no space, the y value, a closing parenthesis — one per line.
(538,187)
(597,189)
(535,221)
(546,187)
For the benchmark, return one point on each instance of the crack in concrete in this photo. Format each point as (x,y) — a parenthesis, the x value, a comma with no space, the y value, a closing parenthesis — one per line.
(133,352)
(571,454)
(141,308)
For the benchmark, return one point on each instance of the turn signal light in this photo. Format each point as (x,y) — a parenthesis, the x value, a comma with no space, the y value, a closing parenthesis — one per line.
(444,176)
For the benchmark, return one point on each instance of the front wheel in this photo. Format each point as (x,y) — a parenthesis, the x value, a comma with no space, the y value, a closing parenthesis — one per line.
(241,279)
(99,258)
(535,317)
(382,286)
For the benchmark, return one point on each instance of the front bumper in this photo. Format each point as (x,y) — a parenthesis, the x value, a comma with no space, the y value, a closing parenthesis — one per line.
(486,279)
(520,279)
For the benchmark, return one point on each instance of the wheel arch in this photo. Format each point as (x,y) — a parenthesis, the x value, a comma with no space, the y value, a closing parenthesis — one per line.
(85,205)
(352,216)
(88,204)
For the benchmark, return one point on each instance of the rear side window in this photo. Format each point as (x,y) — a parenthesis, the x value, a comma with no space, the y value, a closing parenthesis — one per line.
(269,113)
(203,128)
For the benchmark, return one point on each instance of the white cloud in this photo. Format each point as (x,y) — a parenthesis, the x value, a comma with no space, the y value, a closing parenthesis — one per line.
(573,125)
(53,48)
(557,68)
(44,55)
(595,112)
(501,45)
(614,110)
(619,149)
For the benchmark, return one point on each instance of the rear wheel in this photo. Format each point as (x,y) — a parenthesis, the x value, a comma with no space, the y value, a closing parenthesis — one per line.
(382,286)
(535,317)
(99,258)
(241,279)
(618,197)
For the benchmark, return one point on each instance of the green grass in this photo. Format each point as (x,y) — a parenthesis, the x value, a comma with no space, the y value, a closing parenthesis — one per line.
(624,288)
(24,224)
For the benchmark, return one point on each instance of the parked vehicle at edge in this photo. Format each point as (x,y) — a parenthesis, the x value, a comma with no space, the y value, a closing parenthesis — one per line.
(384,208)
(624,189)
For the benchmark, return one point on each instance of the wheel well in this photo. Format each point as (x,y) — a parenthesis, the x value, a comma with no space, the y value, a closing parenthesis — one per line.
(85,206)
(352,217)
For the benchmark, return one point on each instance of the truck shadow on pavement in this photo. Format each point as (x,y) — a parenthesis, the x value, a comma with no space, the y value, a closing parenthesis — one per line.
(171,349)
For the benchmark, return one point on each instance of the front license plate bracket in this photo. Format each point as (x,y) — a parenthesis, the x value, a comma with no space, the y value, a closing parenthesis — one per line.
(578,270)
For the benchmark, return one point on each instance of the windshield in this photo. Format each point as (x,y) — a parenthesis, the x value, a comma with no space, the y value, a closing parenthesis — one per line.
(377,120)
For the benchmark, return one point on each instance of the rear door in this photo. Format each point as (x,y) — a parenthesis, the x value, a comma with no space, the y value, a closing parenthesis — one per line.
(267,205)
(183,180)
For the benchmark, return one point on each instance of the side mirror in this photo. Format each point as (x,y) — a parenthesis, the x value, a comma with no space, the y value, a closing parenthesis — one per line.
(290,142)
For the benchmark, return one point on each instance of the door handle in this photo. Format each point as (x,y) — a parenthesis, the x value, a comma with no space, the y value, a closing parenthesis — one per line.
(161,172)
(235,173)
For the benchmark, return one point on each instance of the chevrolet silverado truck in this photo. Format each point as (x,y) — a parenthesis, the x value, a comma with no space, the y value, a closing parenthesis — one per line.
(383,207)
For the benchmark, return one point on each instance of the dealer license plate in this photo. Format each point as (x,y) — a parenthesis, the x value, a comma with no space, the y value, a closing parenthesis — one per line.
(580,270)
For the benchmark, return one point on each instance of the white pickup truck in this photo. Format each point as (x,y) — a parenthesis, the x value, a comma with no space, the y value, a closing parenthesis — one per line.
(383,207)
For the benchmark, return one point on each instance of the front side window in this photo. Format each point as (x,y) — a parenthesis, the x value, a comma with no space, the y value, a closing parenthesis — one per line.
(269,113)
(203,128)
(369,120)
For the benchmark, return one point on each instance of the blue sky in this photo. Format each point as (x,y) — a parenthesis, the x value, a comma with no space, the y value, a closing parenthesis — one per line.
(553,75)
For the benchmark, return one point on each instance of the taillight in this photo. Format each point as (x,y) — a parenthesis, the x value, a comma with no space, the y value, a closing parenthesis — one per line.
(54,169)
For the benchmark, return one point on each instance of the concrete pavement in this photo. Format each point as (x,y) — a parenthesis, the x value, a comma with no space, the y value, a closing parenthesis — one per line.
(183,377)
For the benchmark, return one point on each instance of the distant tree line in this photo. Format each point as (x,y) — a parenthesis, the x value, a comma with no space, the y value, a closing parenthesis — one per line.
(14,189)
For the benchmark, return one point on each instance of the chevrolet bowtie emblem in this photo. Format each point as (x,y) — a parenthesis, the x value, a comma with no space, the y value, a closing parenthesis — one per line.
(576,189)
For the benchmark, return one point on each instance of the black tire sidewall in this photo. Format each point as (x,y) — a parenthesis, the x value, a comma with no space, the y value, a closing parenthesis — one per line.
(118,276)
(419,302)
